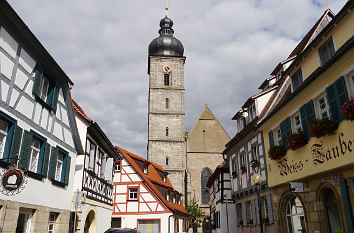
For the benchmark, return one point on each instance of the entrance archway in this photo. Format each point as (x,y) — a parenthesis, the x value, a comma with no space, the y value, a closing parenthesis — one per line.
(332,211)
(291,214)
(90,222)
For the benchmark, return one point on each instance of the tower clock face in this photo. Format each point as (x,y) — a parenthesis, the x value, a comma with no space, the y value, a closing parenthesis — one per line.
(166,70)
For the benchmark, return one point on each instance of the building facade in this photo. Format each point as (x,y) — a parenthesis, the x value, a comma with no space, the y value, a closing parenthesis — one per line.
(93,186)
(222,206)
(319,160)
(144,197)
(166,117)
(38,137)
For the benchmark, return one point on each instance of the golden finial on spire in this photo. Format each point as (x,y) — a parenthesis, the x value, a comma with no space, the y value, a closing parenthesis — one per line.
(166,6)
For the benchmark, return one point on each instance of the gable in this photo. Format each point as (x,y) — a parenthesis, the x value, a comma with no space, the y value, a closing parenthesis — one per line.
(207,134)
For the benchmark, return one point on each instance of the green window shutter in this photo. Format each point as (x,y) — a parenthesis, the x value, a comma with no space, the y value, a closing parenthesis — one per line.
(346,204)
(270,208)
(37,81)
(55,97)
(67,170)
(53,162)
(285,129)
(15,145)
(307,114)
(271,138)
(45,160)
(336,96)
(25,150)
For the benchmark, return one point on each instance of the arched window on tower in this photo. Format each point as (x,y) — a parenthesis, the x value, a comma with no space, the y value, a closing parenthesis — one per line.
(166,79)
(205,190)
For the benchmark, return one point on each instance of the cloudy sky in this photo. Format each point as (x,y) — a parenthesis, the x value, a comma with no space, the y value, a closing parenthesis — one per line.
(231,46)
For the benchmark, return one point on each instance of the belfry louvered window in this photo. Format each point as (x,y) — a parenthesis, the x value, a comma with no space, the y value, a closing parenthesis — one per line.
(205,190)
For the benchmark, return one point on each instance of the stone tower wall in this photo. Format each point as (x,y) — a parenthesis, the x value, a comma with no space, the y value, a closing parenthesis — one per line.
(172,146)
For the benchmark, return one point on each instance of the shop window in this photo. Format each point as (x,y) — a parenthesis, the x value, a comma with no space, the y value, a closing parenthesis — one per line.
(296,80)
(326,51)
(24,220)
(133,194)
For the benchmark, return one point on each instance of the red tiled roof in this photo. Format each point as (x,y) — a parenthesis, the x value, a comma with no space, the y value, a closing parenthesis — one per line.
(153,178)
(79,110)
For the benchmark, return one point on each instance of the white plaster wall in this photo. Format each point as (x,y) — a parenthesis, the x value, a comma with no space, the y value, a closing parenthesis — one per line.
(102,216)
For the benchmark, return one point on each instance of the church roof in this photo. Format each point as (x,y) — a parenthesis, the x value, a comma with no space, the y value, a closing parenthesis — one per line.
(153,179)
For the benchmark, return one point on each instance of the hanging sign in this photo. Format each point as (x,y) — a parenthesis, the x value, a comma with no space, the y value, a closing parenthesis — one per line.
(13,181)
(296,187)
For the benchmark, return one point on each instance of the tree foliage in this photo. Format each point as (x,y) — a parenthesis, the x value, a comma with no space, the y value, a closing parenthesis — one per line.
(196,215)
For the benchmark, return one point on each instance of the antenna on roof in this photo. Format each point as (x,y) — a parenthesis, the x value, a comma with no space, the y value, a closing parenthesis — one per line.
(166,6)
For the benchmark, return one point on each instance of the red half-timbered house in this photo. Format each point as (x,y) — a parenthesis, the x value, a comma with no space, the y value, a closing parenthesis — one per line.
(144,197)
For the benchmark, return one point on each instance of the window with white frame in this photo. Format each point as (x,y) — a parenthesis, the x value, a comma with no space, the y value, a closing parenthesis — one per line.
(51,222)
(167,196)
(278,140)
(35,149)
(243,159)
(326,51)
(296,123)
(240,123)
(117,166)
(133,194)
(174,198)
(3,133)
(145,169)
(255,152)
(44,89)
(164,178)
(59,167)
(98,166)
(322,106)
(296,79)
(351,80)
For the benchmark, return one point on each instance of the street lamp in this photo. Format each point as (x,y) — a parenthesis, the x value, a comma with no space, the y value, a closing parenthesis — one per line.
(257,180)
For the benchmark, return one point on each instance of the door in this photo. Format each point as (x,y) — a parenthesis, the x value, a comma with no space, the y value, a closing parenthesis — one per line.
(332,211)
(149,226)
(24,221)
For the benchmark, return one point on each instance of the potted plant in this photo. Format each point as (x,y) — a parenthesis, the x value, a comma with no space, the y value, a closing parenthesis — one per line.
(347,109)
(296,141)
(243,169)
(276,152)
(319,128)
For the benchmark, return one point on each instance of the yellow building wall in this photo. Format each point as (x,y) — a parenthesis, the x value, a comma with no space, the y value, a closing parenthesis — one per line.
(315,88)
(340,34)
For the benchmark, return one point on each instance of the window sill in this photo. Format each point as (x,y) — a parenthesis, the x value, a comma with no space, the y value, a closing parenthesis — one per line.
(44,104)
(58,183)
(34,175)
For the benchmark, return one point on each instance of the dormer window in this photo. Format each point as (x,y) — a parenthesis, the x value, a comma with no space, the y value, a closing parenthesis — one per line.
(168,196)
(117,166)
(164,178)
(326,51)
(45,90)
(241,123)
(252,112)
(145,169)
(174,199)
(179,201)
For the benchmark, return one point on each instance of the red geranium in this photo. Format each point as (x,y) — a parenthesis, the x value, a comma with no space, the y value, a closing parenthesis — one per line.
(296,141)
(347,109)
(276,152)
(319,128)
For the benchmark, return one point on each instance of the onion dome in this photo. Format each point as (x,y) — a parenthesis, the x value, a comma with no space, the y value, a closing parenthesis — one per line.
(166,44)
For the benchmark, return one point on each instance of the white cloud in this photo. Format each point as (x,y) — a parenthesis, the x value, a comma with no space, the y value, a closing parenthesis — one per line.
(231,46)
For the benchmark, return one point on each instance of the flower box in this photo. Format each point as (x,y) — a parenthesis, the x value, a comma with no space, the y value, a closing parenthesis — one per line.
(276,152)
(347,109)
(296,140)
(319,128)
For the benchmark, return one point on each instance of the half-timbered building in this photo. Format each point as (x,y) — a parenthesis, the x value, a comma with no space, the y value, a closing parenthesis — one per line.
(38,133)
(144,197)
(93,176)
(222,206)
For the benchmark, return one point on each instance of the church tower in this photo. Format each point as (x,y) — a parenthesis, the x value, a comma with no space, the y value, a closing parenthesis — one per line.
(166,120)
